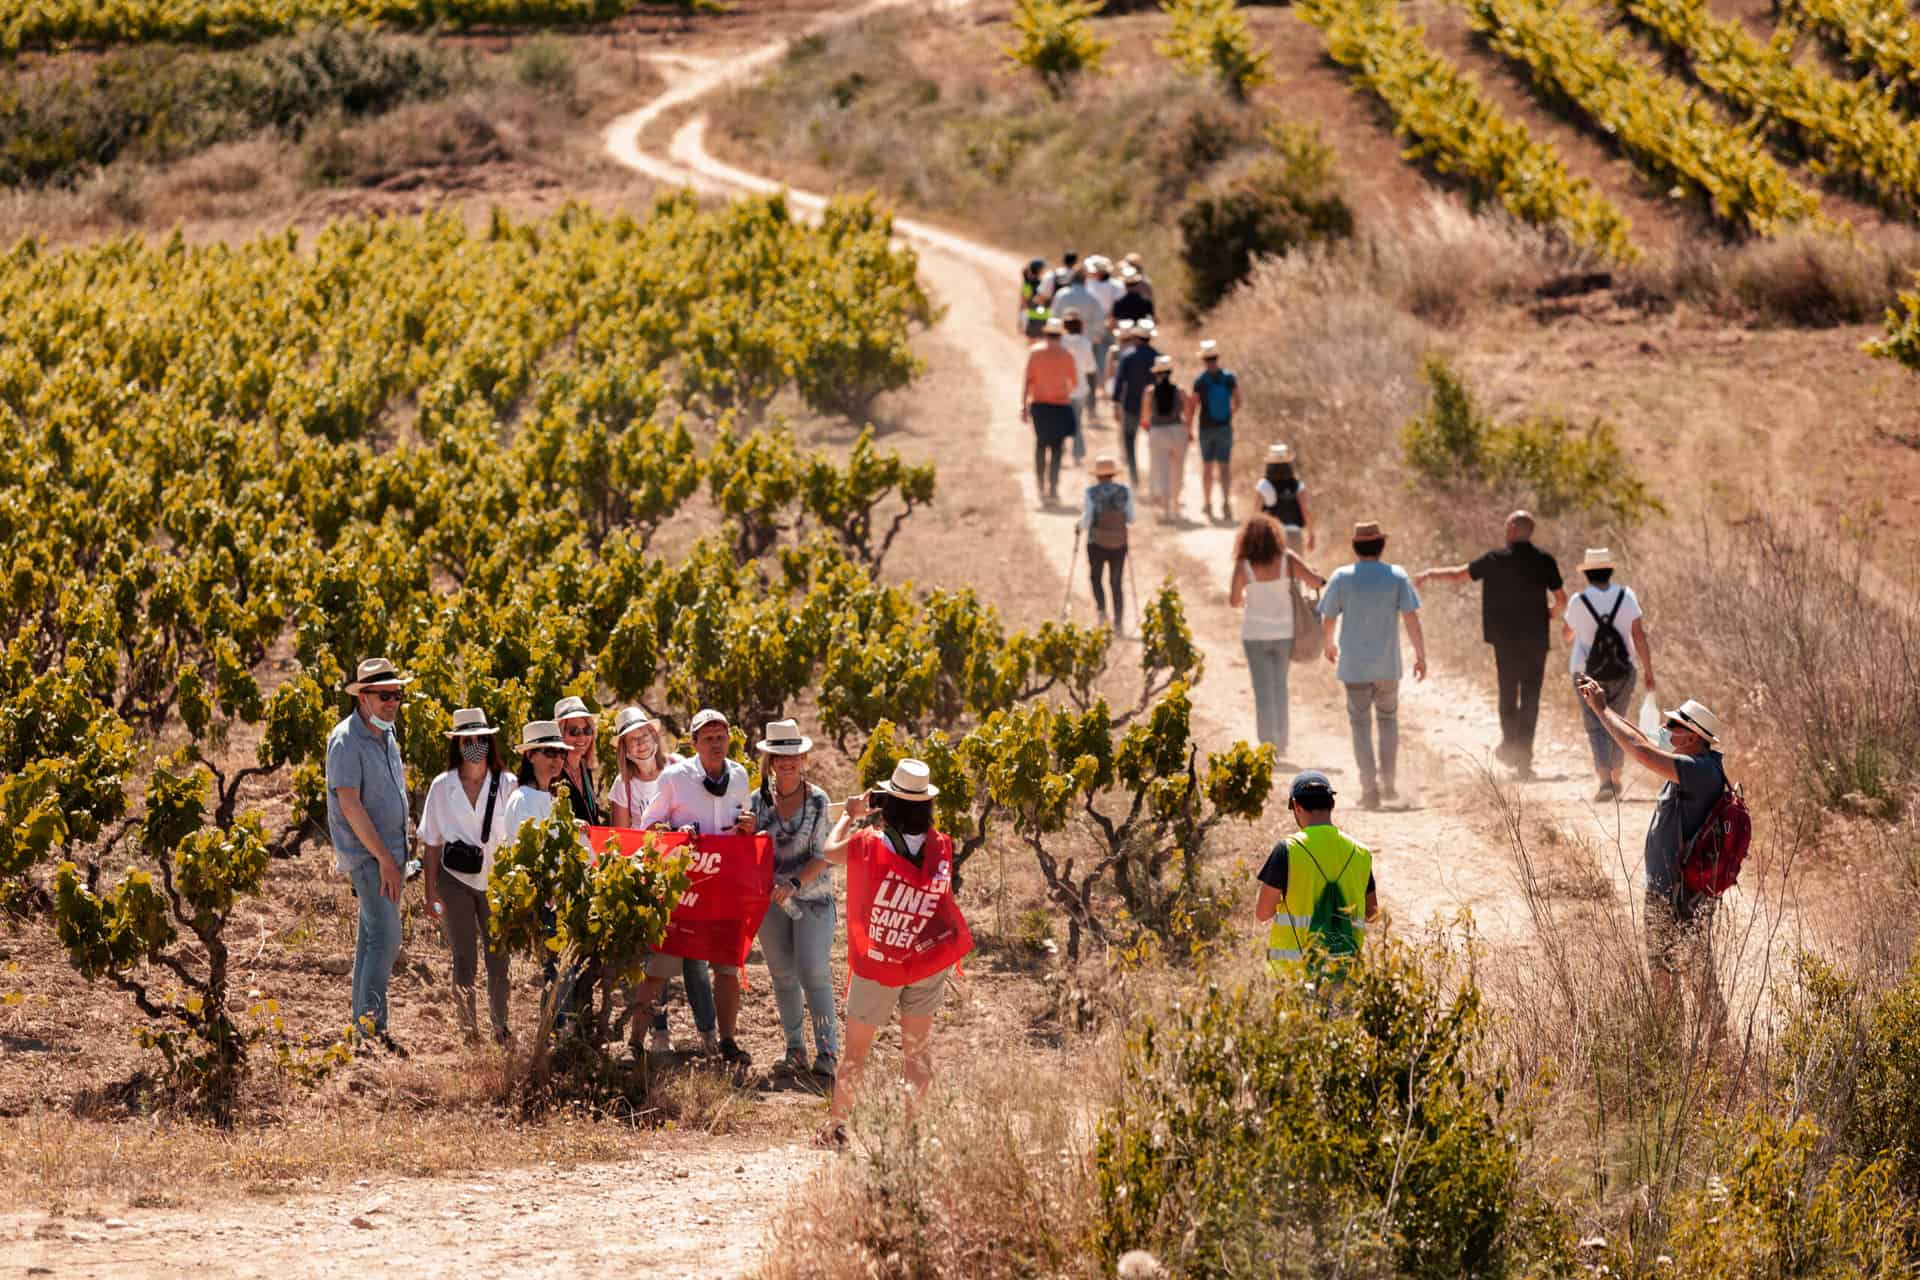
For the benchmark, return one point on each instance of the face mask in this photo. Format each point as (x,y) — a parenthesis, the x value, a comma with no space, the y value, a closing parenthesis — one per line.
(384,726)
(716,786)
(473,750)
(1665,740)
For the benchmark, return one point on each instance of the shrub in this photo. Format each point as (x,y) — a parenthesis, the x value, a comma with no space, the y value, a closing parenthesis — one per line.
(1056,43)
(1555,465)
(546,64)
(1356,1135)
(1210,37)
(1285,200)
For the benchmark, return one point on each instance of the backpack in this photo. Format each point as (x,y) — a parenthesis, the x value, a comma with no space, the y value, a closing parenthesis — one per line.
(1607,659)
(1166,398)
(1332,919)
(1217,397)
(1710,862)
(1109,529)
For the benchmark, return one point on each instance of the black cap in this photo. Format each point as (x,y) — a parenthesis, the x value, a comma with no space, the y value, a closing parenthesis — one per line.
(1311,788)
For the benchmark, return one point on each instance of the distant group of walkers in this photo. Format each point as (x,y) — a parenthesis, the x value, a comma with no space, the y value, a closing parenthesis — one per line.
(885,839)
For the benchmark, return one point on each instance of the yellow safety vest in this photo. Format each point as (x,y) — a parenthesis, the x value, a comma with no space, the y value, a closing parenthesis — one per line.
(1316,857)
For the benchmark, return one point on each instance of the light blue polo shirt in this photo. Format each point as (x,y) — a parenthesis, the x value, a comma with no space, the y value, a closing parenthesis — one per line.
(358,756)
(1369,596)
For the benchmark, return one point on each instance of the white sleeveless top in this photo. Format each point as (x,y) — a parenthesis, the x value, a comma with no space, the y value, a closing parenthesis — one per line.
(1269,611)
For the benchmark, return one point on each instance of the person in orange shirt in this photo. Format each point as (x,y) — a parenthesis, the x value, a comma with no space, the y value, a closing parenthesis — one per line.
(1046,400)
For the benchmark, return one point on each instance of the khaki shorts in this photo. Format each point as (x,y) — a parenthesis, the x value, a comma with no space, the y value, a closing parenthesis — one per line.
(872,1002)
(660,965)
(1678,937)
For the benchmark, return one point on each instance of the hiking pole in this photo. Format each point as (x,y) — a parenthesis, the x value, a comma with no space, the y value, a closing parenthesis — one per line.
(1073,562)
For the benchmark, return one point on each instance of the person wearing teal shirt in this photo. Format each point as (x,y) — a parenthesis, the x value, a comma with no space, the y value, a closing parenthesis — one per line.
(1362,601)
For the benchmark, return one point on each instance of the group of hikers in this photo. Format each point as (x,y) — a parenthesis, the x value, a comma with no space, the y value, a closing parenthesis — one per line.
(1093,334)
(905,931)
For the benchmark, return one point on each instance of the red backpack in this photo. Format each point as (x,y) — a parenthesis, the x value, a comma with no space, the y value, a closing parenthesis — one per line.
(1710,863)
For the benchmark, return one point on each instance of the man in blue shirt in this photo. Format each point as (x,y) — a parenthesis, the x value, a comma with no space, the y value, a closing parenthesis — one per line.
(1365,601)
(1214,402)
(1678,922)
(1132,377)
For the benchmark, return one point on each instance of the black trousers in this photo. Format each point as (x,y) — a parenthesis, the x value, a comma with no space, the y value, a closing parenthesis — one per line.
(1519,669)
(1114,560)
(1127,434)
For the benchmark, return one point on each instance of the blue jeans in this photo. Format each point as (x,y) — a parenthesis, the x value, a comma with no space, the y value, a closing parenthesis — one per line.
(699,980)
(1608,755)
(1267,663)
(376,944)
(799,954)
(1378,699)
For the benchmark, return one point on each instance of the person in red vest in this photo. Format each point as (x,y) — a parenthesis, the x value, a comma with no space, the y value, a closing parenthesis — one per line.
(904,929)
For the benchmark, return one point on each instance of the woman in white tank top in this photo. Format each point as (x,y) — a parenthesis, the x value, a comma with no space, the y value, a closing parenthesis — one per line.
(1264,571)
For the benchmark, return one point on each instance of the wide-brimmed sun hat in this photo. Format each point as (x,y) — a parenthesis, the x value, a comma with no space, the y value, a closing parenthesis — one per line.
(785,739)
(376,673)
(470,722)
(1367,531)
(1054,327)
(1162,363)
(1105,465)
(1279,453)
(1597,558)
(1209,349)
(1696,717)
(629,719)
(570,709)
(911,780)
(1130,274)
(540,735)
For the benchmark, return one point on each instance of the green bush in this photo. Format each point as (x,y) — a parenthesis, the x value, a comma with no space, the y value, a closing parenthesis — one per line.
(158,104)
(1265,1132)
(1210,37)
(1287,199)
(546,64)
(1056,42)
(1545,460)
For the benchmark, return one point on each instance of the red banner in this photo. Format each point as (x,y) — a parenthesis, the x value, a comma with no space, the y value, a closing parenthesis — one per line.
(902,922)
(729,887)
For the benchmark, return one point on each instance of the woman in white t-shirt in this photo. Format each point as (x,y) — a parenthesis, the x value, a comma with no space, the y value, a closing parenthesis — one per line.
(1263,566)
(1602,603)
(464,821)
(543,761)
(636,741)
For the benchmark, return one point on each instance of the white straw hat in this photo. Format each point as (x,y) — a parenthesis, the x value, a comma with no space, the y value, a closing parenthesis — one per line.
(1054,327)
(376,673)
(540,735)
(1597,558)
(1162,362)
(1209,349)
(785,739)
(911,780)
(1279,453)
(470,722)
(570,709)
(1701,720)
(629,719)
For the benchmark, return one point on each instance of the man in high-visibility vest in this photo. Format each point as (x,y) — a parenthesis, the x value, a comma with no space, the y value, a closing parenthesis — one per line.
(1317,884)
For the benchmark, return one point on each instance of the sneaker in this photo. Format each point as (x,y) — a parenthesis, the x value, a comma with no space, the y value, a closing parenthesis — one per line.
(1226,508)
(1370,798)
(824,1065)
(1607,794)
(659,1040)
(1387,792)
(794,1063)
(734,1055)
(393,1046)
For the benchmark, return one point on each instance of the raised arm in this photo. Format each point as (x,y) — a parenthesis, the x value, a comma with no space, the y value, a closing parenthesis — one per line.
(1451,573)
(835,850)
(1662,764)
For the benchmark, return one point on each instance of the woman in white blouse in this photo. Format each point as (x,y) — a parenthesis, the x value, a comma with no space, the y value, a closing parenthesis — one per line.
(637,741)
(464,821)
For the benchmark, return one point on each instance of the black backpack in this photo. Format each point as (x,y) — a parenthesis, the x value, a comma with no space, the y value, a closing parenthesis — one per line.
(1607,660)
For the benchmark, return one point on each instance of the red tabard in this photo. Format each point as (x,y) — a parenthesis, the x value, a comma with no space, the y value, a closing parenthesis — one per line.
(729,887)
(902,922)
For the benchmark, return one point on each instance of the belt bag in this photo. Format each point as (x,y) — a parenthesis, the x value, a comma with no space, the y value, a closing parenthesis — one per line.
(468,859)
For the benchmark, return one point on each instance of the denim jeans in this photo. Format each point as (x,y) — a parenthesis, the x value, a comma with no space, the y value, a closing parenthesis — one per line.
(1080,411)
(376,945)
(699,979)
(1267,663)
(1377,700)
(1607,754)
(799,960)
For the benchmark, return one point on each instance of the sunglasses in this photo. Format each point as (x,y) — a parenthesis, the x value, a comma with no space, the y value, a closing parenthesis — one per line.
(578,731)
(385,695)
(552,753)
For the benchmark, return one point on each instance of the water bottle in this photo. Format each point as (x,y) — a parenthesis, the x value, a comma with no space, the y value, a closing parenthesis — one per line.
(791,907)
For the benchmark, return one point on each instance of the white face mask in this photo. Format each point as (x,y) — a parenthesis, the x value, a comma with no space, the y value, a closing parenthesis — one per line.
(1665,740)
(384,726)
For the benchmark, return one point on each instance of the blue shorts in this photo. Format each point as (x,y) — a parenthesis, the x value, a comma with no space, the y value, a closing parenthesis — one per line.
(1216,444)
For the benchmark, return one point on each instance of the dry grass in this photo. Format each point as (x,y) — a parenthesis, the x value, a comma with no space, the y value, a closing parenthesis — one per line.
(1802,278)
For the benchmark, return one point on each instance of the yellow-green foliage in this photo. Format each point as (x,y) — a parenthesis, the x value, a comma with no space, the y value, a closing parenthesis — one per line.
(1210,37)
(1460,131)
(1901,339)
(1668,132)
(1876,34)
(40,23)
(1553,464)
(1056,41)
(1851,127)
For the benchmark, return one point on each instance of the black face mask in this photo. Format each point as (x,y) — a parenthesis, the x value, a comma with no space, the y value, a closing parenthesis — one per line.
(715,786)
(908,817)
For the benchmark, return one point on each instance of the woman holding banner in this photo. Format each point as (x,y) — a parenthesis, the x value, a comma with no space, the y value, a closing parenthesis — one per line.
(797,935)
(904,929)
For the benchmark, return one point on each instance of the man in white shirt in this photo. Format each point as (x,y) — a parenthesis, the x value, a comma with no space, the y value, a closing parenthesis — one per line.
(1613,665)
(707,795)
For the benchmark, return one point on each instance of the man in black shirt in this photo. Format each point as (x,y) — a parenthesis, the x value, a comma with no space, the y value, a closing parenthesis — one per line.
(1136,303)
(1521,590)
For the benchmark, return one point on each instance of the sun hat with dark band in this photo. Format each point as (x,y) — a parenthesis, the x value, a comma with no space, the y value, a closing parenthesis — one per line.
(376,673)
(1597,558)
(1367,531)
(540,735)
(911,780)
(785,739)
(1105,465)
(470,722)
(570,709)
(1697,718)
(629,719)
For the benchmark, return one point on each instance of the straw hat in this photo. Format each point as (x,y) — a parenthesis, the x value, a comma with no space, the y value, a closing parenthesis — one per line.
(1597,558)
(470,722)
(1131,274)
(1367,531)
(570,709)
(629,719)
(1054,327)
(911,780)
(785,739)
(540,735)
(1209,349)
(376,673)
(1135,261)
(1104,466)
(1279,453)
(1122,328)
(1162,363)
(1696,717)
